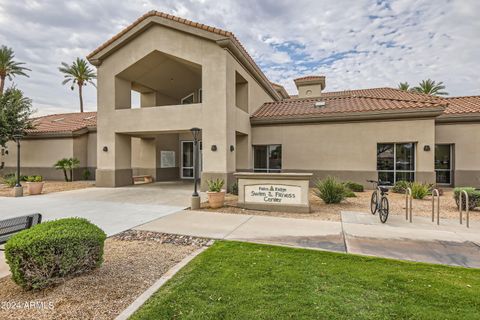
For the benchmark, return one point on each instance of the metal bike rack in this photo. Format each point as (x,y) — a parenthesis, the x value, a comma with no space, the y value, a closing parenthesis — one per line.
(467,209)
(408,204)
(435,193)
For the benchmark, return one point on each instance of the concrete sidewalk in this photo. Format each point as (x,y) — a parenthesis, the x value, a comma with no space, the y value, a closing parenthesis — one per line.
(358,233)
(317,234)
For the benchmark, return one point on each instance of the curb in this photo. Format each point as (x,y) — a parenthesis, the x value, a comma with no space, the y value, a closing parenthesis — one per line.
(132,308)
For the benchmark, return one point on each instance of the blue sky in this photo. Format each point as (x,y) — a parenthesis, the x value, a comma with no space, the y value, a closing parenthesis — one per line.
(354,43)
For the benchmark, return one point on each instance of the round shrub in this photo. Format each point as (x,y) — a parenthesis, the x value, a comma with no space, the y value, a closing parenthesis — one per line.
(355,187)
(52,251)
(473,197)
(401,186)
(330,190)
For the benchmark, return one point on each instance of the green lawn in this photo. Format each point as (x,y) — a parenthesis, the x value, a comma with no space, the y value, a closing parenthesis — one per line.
(233,280)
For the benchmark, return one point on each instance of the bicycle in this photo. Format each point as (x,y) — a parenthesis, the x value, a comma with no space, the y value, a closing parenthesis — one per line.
(381,205)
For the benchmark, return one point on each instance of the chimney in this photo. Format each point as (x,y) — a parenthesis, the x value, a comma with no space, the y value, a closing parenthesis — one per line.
(310,86)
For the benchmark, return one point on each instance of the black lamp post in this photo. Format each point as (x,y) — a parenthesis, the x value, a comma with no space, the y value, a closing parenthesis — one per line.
(18,137)
(196,135)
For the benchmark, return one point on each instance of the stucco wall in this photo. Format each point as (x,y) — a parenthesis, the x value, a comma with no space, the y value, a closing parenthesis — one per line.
(347,150)
(39,155)
(466,140)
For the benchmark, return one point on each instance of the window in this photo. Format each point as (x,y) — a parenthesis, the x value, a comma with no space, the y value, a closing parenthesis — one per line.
(443,163)
(199,96)
(241,92)
(188,99)
(395,162)
(267,158)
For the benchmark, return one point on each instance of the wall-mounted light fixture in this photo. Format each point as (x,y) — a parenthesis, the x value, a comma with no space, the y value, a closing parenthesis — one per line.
(232,148)
(105,149)
(214,147)
(426,148)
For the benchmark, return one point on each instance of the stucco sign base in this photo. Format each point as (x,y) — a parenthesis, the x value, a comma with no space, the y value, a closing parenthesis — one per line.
(274,191)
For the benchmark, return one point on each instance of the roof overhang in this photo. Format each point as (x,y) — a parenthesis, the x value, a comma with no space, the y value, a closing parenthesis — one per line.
(60,134)
(460,117)
(423,113)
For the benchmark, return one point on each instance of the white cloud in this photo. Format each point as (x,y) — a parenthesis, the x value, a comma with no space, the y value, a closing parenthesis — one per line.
(355,43)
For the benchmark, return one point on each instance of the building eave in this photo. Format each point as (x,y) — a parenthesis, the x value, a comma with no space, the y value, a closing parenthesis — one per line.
(353,116)
(459,118)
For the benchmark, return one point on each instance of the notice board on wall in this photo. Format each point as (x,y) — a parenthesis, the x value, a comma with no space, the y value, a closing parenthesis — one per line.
(167,159)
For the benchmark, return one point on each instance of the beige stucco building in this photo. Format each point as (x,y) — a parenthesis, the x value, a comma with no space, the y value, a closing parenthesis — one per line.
(191,75)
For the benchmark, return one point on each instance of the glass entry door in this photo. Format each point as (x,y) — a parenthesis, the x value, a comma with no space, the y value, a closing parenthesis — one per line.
(186,170)
(443,163)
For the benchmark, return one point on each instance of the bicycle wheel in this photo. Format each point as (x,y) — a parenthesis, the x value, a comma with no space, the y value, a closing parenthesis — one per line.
(374,202)
(384,210)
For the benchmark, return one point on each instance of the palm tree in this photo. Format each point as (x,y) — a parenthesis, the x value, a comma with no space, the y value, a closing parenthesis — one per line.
(73,163)
(404,86)
(430,87)
(8,67)
(67,164)
(62,164)
(80,74)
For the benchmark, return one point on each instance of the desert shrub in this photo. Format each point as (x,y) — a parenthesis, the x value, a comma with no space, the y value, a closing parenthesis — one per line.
(330,190)
(52,251)
(215,185)
(420,190)
(234,189)
(401,186)
(10,180)
(86,174)
(355,187)
(34,179)
(473,197)
(349,193)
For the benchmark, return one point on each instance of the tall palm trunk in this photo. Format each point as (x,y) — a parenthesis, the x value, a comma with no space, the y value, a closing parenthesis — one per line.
(80,85)
(65,174)
(2,84)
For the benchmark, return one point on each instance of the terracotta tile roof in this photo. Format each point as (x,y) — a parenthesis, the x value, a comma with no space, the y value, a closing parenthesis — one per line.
(382,93)
(63,122)
(187,22)
(309,78)
(352,101)
(461,105)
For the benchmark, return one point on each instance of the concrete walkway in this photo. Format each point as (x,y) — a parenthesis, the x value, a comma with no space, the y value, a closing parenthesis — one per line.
(358,233)
(112,209)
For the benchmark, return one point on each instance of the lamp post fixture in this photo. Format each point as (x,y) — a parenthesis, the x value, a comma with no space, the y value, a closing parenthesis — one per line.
(18,190)
(195,197)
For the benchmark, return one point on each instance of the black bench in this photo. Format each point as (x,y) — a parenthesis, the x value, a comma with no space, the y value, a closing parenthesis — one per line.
(12,226)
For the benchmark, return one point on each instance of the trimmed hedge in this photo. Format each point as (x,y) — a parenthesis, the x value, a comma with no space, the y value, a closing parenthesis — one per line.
(52,251)
(473,197)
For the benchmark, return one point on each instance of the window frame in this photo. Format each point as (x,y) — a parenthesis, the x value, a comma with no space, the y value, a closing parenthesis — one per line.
(395,170)
(188,96)
(269,146)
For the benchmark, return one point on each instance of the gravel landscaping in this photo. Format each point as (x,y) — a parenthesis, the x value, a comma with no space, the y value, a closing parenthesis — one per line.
(134,260)
(49,187)
(361,203)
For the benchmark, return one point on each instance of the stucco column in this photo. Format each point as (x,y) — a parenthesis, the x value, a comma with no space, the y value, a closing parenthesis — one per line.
(114,162)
